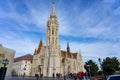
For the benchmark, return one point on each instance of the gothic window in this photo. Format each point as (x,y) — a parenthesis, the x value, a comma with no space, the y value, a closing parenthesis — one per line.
(74,66)
(52,31)
(52,40)
(56,31)
(69,69)
(42,61)
(55,40)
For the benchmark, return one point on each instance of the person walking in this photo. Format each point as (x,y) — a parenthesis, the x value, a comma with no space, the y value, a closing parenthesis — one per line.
(65,76)
(79,76)
(82,75)
(53,76)
(75,76)
(37,76)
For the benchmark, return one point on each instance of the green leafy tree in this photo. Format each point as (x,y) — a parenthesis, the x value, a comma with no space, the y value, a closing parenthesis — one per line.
(93,67)
(110,65)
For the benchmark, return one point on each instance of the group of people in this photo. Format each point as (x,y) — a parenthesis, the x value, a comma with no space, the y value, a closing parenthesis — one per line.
(74,76)
(70,76)
(58,76)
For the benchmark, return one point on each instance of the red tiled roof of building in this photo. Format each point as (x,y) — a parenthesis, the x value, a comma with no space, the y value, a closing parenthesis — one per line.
(63,53)
(40,46)
(74,55)
(28,57)
(68,54)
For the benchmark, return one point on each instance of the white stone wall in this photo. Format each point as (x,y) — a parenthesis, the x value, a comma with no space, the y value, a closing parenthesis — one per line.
(76,65)
(22,67)
(9,55)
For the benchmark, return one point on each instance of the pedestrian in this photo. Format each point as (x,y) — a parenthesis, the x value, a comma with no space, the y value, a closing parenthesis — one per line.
(23,76)
(65,76)
(79,76)
(53,76)
(82,75)
(58,76)
(37,76)
(75,76)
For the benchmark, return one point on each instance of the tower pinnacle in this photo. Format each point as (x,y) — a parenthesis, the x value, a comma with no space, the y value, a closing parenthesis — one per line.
(68,48)
(53,8)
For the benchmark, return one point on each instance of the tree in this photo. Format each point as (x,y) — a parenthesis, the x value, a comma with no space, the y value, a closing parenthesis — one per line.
(93,67)
(110,65)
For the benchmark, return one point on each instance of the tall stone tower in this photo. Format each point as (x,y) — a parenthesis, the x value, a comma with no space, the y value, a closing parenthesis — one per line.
(52,42)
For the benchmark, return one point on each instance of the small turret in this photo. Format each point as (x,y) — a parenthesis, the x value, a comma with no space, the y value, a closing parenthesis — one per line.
(68,48)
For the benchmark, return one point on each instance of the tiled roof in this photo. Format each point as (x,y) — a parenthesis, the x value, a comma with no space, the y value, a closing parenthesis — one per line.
(63,53)
(68,54)
(28,57)
(74,55)
(39,48)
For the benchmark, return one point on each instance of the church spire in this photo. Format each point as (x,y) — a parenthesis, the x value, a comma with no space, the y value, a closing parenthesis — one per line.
(68,48)
(53,8)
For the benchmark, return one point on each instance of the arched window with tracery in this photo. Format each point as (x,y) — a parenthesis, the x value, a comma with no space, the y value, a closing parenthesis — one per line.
(42,61)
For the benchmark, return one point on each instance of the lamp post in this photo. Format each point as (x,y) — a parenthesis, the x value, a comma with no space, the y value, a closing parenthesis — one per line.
(5,62)
(101,66)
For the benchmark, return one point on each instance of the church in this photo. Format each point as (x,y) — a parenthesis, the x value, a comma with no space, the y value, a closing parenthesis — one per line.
(49,58)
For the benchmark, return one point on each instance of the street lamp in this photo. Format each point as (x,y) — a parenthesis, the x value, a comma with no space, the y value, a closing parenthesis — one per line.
(5,62)
(101,66)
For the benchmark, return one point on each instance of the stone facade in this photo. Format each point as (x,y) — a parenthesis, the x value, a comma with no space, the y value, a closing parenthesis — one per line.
(22,65)
(50,59)
(6,53)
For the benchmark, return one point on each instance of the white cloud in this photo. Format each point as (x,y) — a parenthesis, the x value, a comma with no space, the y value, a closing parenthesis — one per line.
(85,24)
(21,46)
(96,49)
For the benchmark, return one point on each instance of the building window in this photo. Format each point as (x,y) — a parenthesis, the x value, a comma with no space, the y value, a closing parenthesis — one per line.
(52,31)
(42,61)
(74,66)
(52,40)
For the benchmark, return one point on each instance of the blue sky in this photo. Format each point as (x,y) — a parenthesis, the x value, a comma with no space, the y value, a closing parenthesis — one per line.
(90,26)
